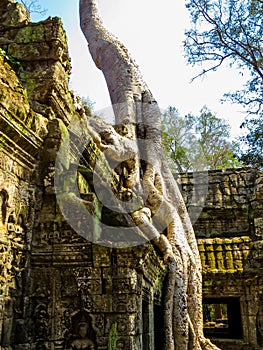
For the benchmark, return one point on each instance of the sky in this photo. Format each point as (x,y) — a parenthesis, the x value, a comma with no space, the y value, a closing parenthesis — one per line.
(154,36)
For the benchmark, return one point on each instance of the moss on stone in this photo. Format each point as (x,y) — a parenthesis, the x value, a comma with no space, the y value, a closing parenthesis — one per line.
(113,337)
(59,219)
(31,33)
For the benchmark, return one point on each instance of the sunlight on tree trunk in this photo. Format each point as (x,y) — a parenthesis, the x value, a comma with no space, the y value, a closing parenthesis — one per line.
(164,216)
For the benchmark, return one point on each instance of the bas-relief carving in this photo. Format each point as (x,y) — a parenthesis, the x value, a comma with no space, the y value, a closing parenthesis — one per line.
(50,233)
(41,319)
(82,341)
(12,241)
(81,334)
(12,166)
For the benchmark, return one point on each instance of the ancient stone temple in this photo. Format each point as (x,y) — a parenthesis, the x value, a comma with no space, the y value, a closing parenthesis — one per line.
(229,231)
(59,289)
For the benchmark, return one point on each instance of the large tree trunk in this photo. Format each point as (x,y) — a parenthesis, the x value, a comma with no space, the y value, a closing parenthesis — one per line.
(164,218)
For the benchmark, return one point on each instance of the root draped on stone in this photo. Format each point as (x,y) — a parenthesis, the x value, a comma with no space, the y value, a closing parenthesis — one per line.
(164,218)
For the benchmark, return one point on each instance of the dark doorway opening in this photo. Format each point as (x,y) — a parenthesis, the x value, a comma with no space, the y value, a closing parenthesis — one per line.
(222,318)
(158,327)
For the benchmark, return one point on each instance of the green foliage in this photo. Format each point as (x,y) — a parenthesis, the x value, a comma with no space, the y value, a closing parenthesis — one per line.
(252,143)
(231,31)
(9,58)
(178,140)
(214,135)
(226,30)
(195,143)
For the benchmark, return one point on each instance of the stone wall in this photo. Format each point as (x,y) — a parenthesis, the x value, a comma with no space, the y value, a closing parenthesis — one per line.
(19,145)
(229,233)
(233,202)
(55,283)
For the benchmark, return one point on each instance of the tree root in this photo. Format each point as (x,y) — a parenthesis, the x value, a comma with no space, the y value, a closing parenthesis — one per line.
(164,219)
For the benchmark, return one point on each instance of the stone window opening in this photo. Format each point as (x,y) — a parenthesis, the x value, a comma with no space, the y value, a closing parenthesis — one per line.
(3,206)
(12,218)
(11,223)
(222,318)
(21,221)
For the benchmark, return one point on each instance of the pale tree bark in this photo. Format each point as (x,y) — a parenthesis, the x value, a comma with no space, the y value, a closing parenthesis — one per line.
(164,218)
